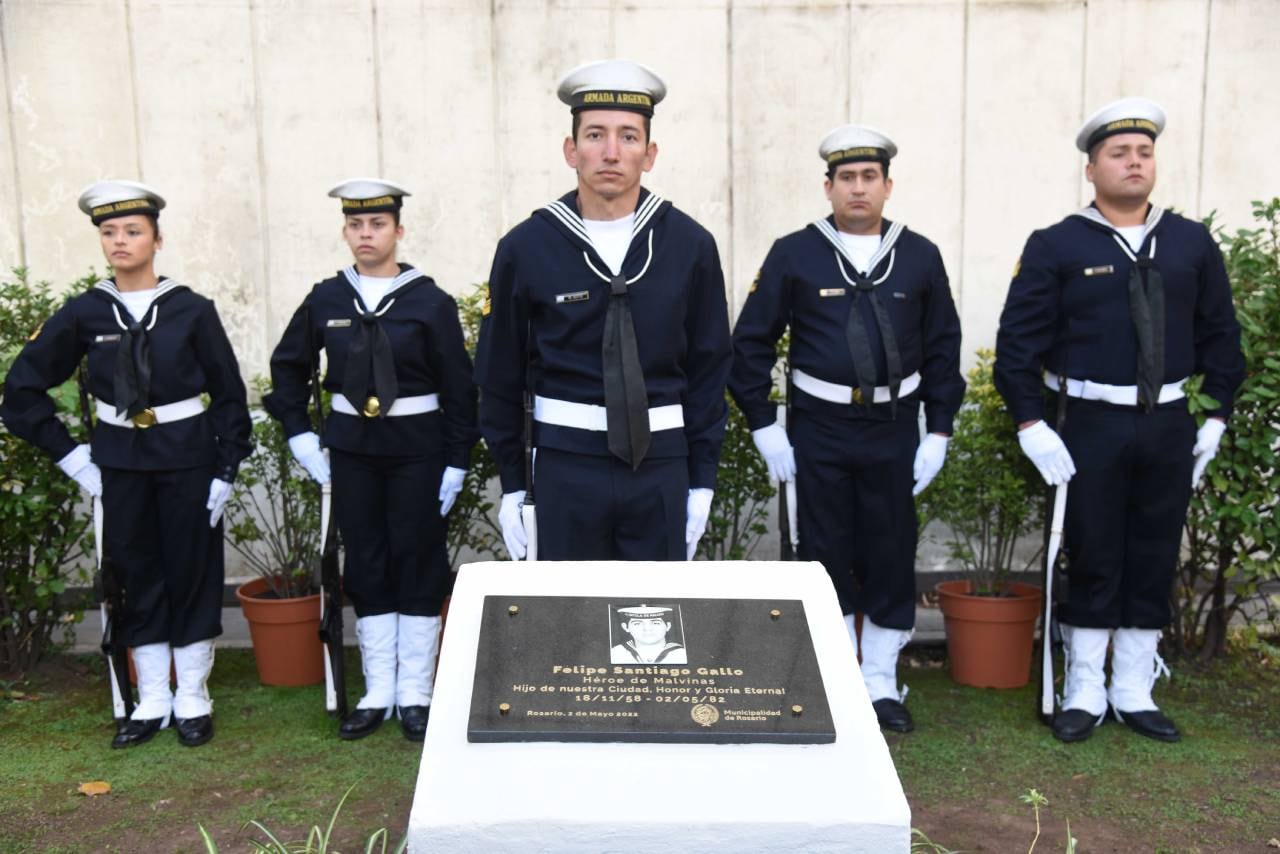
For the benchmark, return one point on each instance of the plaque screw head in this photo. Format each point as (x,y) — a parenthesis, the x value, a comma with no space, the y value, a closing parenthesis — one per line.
(504,708)
(513,610)
(775,614)
(795,710)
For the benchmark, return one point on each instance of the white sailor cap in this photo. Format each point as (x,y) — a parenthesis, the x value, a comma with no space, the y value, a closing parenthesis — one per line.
(108,199)
(612,84)
(1128,115)
(369,195)
(854,143)
(644,612)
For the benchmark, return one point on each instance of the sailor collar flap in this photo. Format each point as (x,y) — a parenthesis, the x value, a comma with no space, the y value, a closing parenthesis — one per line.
(564,217)
(1090,214)
(165,288)
(889,236)
(407,276)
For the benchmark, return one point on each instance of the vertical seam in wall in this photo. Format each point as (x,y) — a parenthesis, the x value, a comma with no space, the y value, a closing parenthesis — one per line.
(964,153)
(133,87)
(376,62)
(499,157)
(260,142)
(848,62)
(11,130)
(728,73)
(1084,92)
(1204,106)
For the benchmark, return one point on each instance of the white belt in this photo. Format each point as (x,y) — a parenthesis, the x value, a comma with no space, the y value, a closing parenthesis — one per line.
(837,393)
(414,405)
(586,416)
(163,414)
(1121,395)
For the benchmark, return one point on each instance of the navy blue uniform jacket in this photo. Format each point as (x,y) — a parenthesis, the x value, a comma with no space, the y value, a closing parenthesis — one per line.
(190,355)
(1068,311)
(542,280)
(805,284)
(421,322)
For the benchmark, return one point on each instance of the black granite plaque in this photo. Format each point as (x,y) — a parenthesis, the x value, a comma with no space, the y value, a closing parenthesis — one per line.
(569,668)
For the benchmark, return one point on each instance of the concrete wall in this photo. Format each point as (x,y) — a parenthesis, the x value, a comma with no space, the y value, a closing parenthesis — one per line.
(243,112)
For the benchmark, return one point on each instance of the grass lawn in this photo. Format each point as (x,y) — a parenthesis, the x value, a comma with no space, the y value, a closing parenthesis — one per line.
(276,758)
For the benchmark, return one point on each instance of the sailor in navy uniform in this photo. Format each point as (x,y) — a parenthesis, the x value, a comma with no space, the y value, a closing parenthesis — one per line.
(874,336)
(607,306)
(1124,301)
(399,440)
(161,462)
(648,626)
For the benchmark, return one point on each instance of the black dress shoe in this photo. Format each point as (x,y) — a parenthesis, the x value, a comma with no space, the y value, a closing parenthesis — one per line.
(1075,724)
(361,722)
(193,732)
(413,722)
(1152,724)
(132,733)
(892,715)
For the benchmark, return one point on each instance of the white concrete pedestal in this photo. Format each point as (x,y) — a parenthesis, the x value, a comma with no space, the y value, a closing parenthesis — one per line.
(585,797)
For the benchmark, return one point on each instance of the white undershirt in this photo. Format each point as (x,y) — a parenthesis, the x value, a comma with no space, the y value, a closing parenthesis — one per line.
(611,238)
(138,302)
(860,247)
(1133,235)
(373,289)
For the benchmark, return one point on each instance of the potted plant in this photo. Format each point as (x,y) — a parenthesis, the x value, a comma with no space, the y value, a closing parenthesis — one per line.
(273,523)
(989,495)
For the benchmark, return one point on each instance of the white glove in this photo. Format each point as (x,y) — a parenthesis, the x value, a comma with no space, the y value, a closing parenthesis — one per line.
(697,509)
(930,456)
(775,447)
(219,492)
(450,486)
(512,524)
(305,448)
(1046,450)
(1208,438)
(80,467)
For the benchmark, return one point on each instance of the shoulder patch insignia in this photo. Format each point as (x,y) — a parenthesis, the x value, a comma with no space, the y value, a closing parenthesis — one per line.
(1017,267)
(35,333)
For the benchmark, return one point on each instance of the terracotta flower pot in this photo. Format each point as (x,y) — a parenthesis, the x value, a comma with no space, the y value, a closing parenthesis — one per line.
(285,632)
(989,638)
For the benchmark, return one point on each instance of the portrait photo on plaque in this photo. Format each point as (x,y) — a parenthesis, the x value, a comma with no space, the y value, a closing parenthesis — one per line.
(640,633)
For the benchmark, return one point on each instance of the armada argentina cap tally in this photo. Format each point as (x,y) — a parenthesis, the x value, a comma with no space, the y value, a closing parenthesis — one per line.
(1128,115)
(369,195)
(106,200)
(612,84)
(855,143)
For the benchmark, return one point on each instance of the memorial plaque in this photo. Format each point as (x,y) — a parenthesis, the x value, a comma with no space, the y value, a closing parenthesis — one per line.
(567,668)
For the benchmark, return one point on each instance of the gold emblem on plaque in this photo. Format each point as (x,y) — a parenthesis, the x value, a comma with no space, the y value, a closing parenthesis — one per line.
(144,419)
(705,714)
(857,396)
(372,407)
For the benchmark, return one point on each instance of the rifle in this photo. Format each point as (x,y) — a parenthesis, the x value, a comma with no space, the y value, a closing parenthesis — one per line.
(529,512)
(788,530)
(108,588)
(1054,520)
(335,682)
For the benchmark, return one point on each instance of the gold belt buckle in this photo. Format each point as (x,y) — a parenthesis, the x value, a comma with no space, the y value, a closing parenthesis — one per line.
(144,419)
(372,406)
(857,396)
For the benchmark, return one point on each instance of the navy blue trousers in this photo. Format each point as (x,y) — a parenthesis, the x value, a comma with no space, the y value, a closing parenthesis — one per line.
(856,514)
(1126,506)
(388,514)
(156,531)
(597,508)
